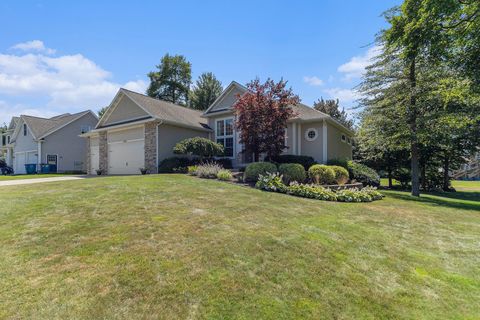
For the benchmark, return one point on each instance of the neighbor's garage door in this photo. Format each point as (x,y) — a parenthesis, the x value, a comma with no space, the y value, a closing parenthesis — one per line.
(22,158)
(126,153)
(94,155)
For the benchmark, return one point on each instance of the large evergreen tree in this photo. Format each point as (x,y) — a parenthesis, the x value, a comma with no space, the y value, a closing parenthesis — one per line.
(172,80)
(205,91)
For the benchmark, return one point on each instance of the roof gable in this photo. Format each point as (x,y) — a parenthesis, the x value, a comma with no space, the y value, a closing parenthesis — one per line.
(125,110)
(227,98)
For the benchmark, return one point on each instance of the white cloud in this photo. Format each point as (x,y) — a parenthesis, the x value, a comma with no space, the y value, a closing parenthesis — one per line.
(313,81)
(7,111)
(34,45)
(342,94)
(356,66)
(67,83)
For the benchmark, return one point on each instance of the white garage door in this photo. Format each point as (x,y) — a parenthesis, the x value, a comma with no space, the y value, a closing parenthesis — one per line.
(126,151)
(94,155)
(22,158)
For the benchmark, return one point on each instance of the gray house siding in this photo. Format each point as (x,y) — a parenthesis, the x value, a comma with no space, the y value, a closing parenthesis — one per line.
(126,110)
(68,146)
(169,136)
(337,149)
(228,100)
(24,143)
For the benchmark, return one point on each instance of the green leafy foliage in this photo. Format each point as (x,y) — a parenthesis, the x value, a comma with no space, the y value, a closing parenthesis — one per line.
(192,170)
(292,172)
(338,162)
(274,182)
(171,82)
(404,176)
(197,146)
(254,170)
(175,164)
(205,91)
(321,174)
(362,173)
(341,174)
(305,161)
(224,175)
(332,108)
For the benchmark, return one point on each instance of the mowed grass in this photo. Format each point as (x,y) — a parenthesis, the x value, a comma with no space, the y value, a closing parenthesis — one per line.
(33,176)
(177,247)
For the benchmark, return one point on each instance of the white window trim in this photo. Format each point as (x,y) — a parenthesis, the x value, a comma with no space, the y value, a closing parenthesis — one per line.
(307,132)
(341,138)
(227,136)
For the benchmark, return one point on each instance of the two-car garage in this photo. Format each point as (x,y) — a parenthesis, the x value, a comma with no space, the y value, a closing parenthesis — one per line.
(126,152)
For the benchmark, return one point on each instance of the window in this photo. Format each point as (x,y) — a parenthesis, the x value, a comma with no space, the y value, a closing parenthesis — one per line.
(224,135)
(348,140)
(311,134)
(84,129)
(4,140)
(24,129)
(344,138)
(8,139)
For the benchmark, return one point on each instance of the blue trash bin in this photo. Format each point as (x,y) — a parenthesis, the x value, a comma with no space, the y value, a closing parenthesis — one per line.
(31,168)
(45,168)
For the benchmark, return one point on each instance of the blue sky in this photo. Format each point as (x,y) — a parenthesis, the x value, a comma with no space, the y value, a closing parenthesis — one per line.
(64,56)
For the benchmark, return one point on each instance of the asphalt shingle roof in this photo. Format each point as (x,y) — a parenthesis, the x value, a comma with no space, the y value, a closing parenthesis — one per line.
(42,126)
(168,111)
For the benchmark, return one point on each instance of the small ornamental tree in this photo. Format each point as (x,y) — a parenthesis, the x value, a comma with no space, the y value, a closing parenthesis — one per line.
(201,147)
(261,117)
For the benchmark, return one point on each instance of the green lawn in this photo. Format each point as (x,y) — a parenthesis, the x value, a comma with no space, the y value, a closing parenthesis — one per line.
(174,246)
(32,176)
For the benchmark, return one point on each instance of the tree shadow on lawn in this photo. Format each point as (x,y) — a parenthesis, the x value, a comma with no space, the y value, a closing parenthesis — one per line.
(456,200)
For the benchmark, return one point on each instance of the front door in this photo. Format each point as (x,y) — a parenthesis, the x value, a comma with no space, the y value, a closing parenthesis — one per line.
(52,161)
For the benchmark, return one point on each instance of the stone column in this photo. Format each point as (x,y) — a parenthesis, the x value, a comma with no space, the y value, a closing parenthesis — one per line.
(151,146)
(103,150)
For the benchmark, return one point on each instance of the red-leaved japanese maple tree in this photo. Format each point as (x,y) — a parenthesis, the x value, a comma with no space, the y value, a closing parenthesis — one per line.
(261,117)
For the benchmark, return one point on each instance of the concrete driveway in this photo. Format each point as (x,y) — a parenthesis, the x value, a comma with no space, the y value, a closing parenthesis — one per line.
(39,180)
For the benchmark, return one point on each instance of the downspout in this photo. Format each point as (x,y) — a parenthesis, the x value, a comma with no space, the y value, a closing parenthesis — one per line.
(325,141)
(156,133)
(39,155)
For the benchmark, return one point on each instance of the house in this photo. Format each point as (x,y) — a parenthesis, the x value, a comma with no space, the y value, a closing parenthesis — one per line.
(469,170)
(137,132)
(54,141)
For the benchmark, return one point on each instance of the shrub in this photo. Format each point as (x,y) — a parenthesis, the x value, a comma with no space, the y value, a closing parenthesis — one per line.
(403,176)
(208,170)
(192,170)
(305,161)
(224,162)
(292,172)
(362,173)
(341,174)
(201,147)
(271,182)
(253,170)
(311,191)
(338,162)
(224,175)
(175,164)
(321,174)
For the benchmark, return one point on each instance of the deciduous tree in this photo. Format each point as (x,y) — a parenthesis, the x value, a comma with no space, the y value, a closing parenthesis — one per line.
(172,80)
(261,116)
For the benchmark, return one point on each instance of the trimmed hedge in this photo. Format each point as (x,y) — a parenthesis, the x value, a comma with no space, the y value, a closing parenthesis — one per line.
(292,172)
(198,146)
(321,174)
(305,161)
(362,173)
(341,174)
(338,162)
(253,170)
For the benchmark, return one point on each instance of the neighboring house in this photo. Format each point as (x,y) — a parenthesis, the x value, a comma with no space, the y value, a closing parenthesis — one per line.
(470,170)
(54,141)
(138,131)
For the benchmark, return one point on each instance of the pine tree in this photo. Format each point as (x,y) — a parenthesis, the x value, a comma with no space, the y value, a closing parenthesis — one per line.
(205,91)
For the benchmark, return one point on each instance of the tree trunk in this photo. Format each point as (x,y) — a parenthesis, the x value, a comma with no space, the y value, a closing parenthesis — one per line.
(424,175)
(446,168)
(390,184)
(414,148)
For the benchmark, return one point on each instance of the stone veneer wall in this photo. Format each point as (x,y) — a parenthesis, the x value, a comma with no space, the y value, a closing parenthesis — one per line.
(103,150)
(151,146)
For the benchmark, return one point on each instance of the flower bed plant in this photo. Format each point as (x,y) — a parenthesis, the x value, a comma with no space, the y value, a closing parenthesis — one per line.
(274,182)
(208,170)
